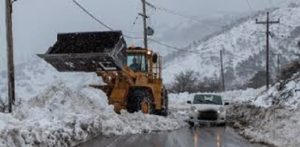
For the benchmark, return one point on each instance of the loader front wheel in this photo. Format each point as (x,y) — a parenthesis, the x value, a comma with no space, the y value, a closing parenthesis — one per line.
(145,106)
(140,99)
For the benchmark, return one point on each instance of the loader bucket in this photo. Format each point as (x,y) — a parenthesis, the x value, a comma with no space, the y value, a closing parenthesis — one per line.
(87,52)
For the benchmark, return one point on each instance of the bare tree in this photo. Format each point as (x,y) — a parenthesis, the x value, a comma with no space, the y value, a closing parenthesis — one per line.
(188,81)
(185,82)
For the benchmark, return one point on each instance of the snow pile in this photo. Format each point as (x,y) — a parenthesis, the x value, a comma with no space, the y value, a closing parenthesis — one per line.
(63,117)
(35,76)
(284,94)
(273,117)
(58,117)
(241,96)
(273,125)
(180,98)
(235,96)
(179,107)
(55,109)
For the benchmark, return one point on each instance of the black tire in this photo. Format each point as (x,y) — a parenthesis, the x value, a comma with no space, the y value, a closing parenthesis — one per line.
(136,96)
(222,124)
(191,124)
(164,111)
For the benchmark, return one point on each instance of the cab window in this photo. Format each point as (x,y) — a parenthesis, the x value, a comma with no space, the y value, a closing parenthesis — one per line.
(137,63)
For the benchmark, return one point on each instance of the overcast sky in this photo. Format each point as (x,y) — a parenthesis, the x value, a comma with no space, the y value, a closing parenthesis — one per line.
(36,22)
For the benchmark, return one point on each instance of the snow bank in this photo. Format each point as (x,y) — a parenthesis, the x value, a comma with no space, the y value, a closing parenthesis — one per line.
(273,117)
(274,125)
(235,96)
(62,117)
(284,94)
(179,107)
(57,117)
(60,109)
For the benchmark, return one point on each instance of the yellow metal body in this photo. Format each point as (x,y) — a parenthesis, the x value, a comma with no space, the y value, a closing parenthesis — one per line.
(120,82)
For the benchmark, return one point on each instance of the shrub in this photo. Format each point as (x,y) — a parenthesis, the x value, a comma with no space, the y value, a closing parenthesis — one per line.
(184,82)
(289,70)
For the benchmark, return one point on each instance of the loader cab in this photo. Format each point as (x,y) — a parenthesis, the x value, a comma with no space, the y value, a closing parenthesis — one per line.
(137,59)
(144,60)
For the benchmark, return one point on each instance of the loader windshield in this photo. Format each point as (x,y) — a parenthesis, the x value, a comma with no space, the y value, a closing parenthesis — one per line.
(137,63)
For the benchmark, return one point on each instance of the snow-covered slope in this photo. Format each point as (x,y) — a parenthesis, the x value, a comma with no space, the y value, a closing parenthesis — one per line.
(272,116)
(244,48)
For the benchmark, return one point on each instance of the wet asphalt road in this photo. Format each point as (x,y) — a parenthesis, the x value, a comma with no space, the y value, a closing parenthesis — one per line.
(186,137)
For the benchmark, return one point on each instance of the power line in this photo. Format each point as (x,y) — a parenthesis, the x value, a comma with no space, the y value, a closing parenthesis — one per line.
(166,45)
(110,28)
(172,47)
(178,49)
(249,6)
(99,21)
(127,36)
(177,14)
(91,15)
(131,37)
(172,12)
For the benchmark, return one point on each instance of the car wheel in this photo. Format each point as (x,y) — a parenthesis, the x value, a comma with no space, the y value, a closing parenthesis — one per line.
(222,124)
(192,124)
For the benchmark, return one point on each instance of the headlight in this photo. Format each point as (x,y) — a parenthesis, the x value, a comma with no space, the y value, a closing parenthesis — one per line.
(221,110)
(193,108)
(116,74)
(109,78)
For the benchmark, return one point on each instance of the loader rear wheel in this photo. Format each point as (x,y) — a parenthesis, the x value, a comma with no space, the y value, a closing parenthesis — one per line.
(165,103)
(166,109)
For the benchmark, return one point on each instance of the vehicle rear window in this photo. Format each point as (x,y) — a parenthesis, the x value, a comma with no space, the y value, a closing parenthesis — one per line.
(208,99)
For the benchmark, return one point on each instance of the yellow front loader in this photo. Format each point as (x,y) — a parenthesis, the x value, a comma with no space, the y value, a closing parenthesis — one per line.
(132,75)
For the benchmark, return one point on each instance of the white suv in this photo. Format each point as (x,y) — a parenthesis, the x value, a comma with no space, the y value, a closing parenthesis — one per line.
(207,108)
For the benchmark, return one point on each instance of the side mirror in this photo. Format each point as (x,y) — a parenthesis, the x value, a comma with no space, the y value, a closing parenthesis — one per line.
(189,102)
(226,103)
(154,58)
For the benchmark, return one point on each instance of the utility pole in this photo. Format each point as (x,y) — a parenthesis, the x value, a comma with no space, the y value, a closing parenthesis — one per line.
(10,55)
(222,72)
(267,23)
(144,15)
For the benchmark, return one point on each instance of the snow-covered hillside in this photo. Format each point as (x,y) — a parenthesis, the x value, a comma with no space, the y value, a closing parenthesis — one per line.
(244,48)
